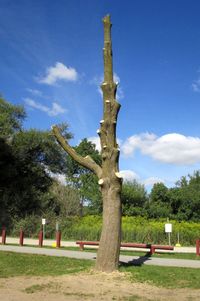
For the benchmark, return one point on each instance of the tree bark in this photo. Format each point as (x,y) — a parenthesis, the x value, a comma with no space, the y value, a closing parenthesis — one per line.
(109,247)
(110,181)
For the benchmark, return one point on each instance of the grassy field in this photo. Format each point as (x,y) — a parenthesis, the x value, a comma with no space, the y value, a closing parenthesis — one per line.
(165,276)
(14,264)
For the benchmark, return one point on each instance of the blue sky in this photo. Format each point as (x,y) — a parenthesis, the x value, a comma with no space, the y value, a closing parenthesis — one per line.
(52,63)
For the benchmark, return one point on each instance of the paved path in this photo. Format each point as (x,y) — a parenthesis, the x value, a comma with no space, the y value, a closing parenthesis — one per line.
(130,260)
(34,242)
(49,242)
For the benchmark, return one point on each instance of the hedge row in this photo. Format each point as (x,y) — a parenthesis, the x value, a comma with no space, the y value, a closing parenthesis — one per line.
(134,229)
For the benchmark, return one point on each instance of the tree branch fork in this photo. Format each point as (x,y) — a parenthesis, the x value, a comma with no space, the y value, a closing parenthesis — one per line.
(86,162)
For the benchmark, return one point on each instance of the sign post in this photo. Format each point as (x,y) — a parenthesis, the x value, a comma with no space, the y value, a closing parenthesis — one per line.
(43,226)
(57,226)
(168,229)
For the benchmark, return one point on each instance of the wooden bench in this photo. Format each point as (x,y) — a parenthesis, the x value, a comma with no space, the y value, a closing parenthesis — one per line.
(152,248)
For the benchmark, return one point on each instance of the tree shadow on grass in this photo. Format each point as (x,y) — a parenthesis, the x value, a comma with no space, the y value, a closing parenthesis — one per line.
(136,262)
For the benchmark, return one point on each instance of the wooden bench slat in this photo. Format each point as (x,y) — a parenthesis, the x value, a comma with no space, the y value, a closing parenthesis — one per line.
(152,247)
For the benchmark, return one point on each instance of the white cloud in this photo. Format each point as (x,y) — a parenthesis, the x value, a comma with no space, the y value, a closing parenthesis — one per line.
(170,148)
(120,92)
(98,80)
(57,73)
(116,78)
(137,141)
(96,141)
(152,180)
(100,91)
(35,92)
(196,85)
(55,110)
(129,175)
(61,178)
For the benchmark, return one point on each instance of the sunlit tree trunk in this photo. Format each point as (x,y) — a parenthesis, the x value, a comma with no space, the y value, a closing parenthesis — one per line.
(110,181)
(108,253)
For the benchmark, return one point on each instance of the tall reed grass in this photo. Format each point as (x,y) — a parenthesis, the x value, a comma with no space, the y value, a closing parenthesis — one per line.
(134,229)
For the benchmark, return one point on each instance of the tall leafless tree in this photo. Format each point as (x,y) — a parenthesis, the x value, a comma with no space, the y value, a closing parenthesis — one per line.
(110,180)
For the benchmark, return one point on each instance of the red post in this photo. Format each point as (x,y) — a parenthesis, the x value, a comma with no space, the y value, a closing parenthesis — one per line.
(3,236)
(152,250)
(198,247)
(58,238)
(81,246)
(40,238)
(21,238)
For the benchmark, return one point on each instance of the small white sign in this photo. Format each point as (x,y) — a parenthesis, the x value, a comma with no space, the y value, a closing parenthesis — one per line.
(43,221)
(168,228)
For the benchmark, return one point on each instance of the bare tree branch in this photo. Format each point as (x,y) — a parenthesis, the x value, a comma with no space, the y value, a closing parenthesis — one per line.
(87,161)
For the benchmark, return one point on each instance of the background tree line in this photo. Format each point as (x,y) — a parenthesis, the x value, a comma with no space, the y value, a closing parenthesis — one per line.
(31,160)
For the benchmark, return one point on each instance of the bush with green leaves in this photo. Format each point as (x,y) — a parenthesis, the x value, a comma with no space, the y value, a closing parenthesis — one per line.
(134,229)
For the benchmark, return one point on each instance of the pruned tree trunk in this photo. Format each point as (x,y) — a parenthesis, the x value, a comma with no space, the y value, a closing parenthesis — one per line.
(108,253)
(110,181)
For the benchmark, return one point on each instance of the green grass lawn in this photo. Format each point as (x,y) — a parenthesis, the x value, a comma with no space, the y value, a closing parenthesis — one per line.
(15,264)
(165,276)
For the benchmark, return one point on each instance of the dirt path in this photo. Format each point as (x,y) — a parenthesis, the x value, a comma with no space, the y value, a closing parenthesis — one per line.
(87,287)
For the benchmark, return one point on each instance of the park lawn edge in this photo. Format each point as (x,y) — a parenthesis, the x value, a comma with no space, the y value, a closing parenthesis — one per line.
(14,264)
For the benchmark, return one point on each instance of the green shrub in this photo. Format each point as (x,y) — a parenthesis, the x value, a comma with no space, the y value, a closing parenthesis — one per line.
(30,225)
(134,229)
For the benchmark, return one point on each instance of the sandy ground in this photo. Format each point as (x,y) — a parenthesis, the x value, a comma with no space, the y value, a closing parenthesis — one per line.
(90,286)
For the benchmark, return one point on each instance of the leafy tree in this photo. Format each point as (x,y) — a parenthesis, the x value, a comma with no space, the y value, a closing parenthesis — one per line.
(159,193)
(27,159)
(134,197)
(159,202)
(158,210)
(181,202)
(185,198)
(85,181)
(63,200)
(175,198)
(11,118)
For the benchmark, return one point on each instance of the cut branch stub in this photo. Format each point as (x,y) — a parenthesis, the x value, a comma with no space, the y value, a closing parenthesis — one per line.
(100,182)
